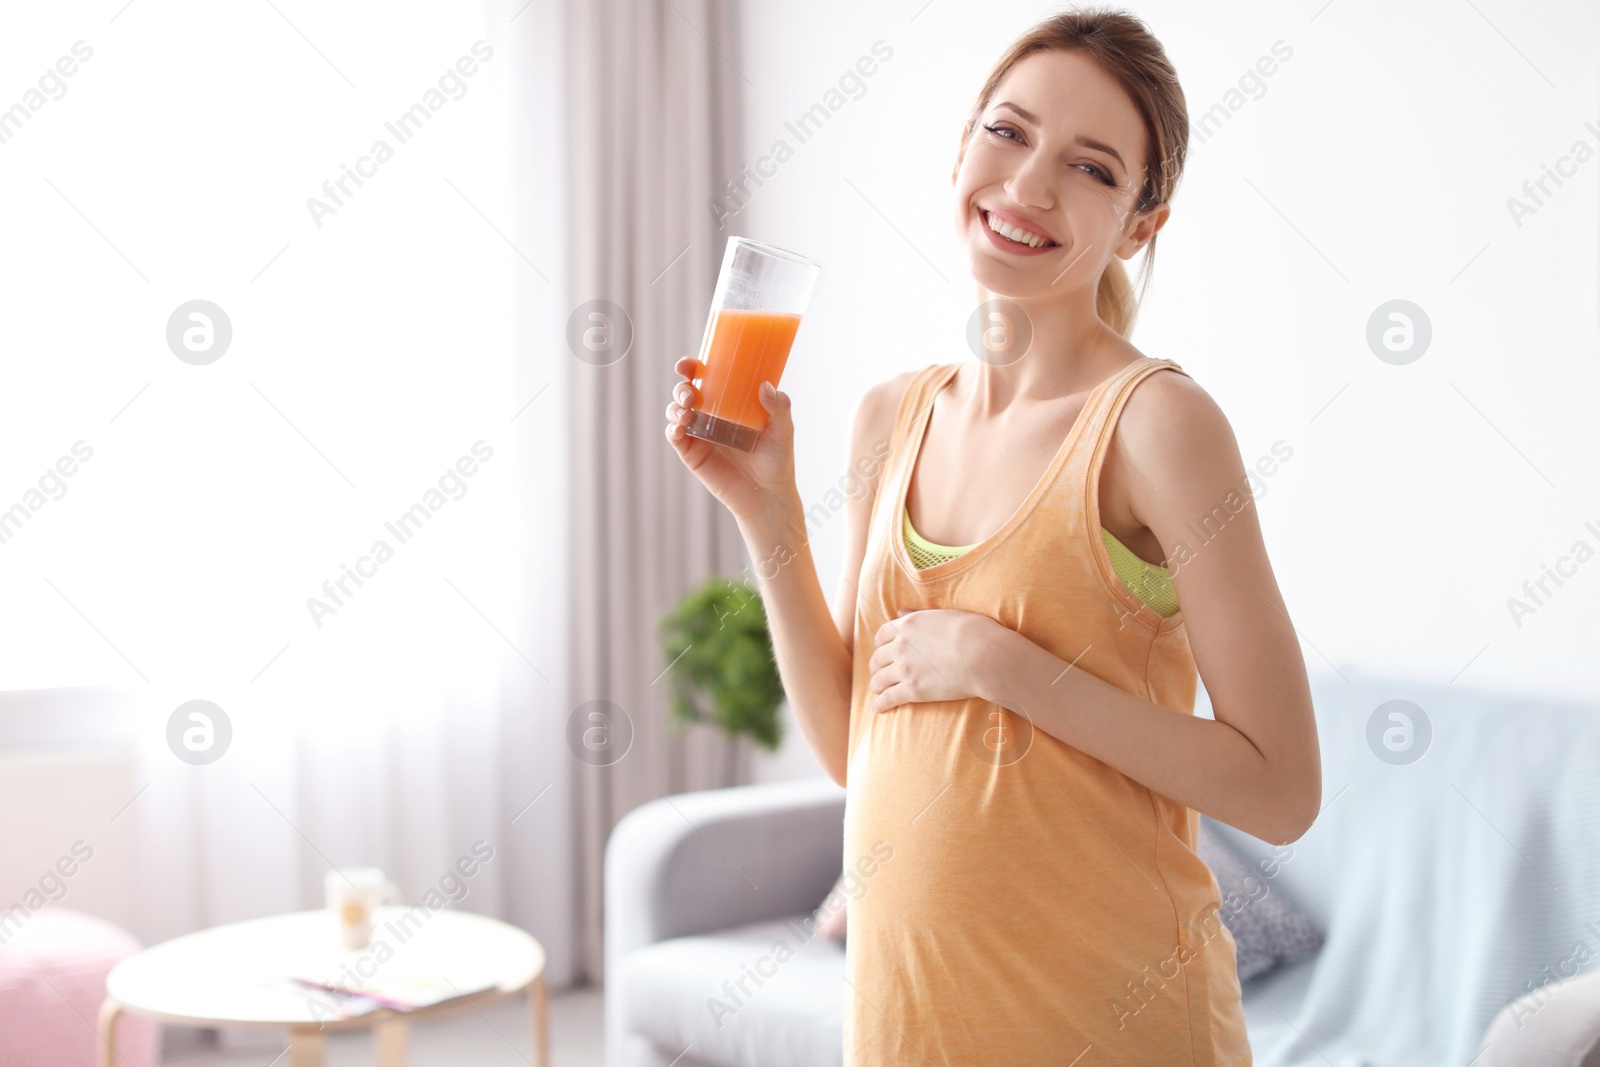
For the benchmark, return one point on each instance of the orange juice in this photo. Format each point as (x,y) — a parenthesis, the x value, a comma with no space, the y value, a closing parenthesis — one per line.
(746,349)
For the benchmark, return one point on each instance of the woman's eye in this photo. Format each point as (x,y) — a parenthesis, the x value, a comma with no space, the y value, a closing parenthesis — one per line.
(1100,174)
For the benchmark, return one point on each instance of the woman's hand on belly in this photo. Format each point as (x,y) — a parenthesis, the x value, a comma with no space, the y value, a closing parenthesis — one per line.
(938,654)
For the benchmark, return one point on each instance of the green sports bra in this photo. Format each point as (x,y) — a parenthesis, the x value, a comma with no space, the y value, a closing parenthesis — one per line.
(1147,581)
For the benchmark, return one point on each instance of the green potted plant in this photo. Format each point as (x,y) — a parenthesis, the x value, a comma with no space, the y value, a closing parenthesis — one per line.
(719,652)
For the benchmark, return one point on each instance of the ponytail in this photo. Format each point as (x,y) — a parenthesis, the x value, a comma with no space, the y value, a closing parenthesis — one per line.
(1114,299)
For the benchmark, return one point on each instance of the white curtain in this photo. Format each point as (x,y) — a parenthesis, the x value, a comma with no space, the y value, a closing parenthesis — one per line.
(383,358)
(653,98)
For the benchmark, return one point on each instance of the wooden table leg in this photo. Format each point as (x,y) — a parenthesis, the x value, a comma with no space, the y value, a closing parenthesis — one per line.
(539,1007)
(391,1036)
(306,1047)
(110,1008)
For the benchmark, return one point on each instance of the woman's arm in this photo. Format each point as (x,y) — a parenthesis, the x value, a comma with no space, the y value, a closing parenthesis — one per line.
(1257,765)
(813,649)
(812,662)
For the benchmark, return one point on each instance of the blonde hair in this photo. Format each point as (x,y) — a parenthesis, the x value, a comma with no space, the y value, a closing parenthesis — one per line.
(1124,48)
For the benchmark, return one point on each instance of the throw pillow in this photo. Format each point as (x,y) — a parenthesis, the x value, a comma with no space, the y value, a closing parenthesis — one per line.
(831,912)
(1267,930)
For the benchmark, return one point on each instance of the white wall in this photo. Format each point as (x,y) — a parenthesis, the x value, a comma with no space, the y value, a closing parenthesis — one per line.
(1422,497)
(792,759)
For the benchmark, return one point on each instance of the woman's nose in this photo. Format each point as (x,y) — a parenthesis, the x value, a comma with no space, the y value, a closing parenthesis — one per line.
(1030,185)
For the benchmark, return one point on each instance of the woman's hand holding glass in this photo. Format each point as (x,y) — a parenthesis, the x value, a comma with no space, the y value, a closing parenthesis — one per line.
(751,485)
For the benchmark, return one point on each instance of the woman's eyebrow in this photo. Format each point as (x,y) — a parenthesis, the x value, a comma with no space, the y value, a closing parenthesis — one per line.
(1087,142)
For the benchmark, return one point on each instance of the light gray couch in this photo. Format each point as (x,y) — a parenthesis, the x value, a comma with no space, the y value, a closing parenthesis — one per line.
(699,887)
(1448,887)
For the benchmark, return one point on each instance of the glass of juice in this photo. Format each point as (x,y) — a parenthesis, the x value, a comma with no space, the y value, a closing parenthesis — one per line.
(761,293)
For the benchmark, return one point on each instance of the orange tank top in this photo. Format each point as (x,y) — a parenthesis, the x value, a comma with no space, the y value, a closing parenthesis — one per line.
(1020,902)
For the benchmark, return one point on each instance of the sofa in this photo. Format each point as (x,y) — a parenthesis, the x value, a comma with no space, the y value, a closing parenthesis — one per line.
(1454,870)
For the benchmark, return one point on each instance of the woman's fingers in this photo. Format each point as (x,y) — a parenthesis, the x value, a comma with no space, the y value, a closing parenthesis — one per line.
(892,697)
(882,679)
(677,421)
(780,424)
(678,415)
(684,394)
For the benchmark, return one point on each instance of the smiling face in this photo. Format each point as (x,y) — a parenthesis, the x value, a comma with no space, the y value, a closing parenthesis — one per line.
(1056,159)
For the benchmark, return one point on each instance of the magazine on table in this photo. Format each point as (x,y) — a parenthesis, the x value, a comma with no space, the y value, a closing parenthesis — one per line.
(397,991)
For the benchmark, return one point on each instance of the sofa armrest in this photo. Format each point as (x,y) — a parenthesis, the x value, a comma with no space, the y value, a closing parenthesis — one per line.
(697,862)
(1556,1025)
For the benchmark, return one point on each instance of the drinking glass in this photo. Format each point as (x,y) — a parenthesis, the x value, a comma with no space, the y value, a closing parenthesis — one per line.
(353,895)
(761,294)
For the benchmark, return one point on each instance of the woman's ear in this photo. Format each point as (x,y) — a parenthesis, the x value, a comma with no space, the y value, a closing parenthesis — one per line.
(1144,228)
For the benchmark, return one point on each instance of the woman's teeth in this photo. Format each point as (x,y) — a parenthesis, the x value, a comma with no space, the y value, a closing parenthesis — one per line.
(1011,233)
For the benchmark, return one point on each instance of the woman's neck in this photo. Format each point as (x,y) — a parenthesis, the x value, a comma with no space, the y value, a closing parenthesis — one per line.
(1071,350)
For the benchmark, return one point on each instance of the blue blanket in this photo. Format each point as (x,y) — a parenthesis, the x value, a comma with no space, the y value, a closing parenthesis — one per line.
(1448,884)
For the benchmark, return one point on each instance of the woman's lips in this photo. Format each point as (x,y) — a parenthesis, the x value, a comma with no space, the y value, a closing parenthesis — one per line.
(1005,244)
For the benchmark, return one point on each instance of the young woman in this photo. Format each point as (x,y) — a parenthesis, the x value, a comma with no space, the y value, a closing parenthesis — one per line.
(1052,548)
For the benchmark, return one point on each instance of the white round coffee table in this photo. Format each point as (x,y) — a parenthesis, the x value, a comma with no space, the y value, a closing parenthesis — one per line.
(237,975)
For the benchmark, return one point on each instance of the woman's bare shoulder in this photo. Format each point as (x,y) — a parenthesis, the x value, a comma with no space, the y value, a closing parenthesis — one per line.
(879,406)
(1173,408)
(1175,434)
(885,397)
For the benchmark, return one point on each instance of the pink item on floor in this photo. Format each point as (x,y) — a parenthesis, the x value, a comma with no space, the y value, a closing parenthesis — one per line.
(53,967)
(832,912)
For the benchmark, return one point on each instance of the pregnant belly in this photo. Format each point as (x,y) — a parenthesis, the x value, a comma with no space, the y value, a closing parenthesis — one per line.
(982,813)
(1014,871)
(1020,878)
